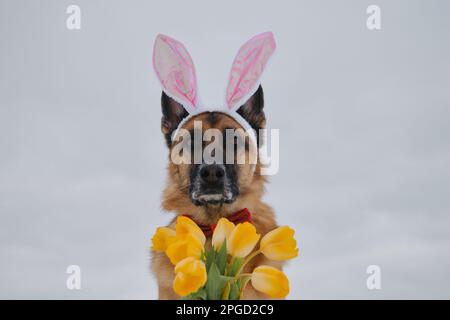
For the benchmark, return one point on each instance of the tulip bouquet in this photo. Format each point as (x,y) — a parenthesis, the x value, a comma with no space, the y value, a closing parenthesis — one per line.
(217,273)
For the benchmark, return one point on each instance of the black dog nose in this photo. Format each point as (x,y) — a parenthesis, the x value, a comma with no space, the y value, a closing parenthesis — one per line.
(212,174)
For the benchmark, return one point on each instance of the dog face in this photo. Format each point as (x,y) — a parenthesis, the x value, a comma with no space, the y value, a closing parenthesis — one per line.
(206,182)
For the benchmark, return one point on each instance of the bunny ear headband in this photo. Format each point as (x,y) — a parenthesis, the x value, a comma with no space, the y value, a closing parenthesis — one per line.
(176,72)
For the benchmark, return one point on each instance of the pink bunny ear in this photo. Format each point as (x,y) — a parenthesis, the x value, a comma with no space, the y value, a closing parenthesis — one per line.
(248,67)
(175,70)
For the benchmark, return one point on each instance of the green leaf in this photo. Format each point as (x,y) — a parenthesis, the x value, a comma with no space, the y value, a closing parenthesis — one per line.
(215,283)
(226,291)
(235,265)
(199,295)
(210,256)
(202,293)
(203,256)
(221,258)
(235,289)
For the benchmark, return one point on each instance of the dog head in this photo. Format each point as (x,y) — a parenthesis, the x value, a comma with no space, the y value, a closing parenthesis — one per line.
(214,181)
(213,151)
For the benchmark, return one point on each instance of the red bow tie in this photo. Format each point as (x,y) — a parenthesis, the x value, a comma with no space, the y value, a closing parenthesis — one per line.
(238,217)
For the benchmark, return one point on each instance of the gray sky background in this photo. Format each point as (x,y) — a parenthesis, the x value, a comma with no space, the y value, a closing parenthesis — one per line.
(364,119)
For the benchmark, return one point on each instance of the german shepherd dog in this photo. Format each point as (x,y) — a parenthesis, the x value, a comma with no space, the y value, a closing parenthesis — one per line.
(207,192)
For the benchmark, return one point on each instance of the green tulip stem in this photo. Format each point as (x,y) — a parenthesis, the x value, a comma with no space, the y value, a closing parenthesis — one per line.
(242,275)
(244,282)
(226,291)
(247,260)
(229,266)
(246,278)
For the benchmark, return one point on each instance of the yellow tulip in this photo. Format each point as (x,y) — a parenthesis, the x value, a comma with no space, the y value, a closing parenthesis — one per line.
(190,246)
(190,276)
(162,238)
(222,232)
(271,281)
(279,244)
(186,226)
(242,240)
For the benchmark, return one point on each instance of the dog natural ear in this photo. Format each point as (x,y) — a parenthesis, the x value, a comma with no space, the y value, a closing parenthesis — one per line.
(252,110)
(173,113)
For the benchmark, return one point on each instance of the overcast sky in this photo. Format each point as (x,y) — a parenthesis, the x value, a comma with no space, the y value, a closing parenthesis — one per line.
(364,119)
